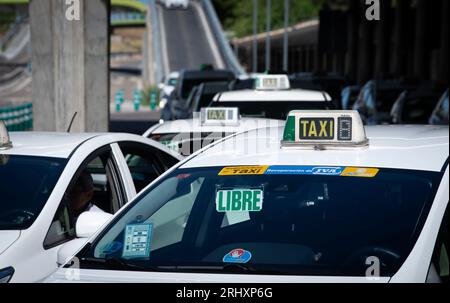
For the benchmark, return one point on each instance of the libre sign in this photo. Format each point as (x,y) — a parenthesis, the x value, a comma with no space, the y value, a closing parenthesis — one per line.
(235,200)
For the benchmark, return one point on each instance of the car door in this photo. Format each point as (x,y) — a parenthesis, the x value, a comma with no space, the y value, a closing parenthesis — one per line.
(114,179)
(145,162)
(108,196)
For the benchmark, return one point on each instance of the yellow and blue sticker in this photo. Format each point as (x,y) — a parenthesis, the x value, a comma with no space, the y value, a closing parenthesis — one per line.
(237,255)
(243,170)
(342,171)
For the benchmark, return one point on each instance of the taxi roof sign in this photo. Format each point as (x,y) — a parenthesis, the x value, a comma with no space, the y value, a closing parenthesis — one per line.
(272,82)
(5,142)
(220,116)
(324,129)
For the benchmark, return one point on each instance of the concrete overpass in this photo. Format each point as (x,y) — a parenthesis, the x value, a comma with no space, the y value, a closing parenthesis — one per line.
(70,60)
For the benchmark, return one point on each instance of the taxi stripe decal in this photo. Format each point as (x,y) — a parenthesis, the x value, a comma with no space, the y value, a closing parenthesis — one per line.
(343,171)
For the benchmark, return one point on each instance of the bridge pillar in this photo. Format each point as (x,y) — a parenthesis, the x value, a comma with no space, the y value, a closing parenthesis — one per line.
(70,65)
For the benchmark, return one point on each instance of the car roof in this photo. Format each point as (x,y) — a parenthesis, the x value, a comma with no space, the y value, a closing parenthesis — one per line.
(194,126)
(249,95)
(174,75)
(199,74)
(57,145)
(391,146)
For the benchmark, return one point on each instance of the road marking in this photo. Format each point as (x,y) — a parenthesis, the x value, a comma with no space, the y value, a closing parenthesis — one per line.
(209,36)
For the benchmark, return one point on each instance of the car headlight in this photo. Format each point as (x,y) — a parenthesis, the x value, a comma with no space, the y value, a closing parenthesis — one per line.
(6,274)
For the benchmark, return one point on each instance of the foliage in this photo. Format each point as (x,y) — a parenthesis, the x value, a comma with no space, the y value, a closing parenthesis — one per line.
(237,15)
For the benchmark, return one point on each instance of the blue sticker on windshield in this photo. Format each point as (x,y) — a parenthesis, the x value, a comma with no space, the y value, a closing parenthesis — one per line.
(237,255)
(305,170)
(112,247)
(137,240)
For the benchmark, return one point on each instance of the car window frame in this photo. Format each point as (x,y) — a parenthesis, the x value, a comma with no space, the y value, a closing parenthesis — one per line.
(92,156)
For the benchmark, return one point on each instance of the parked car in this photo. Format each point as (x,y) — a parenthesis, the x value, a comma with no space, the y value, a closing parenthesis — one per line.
(187,80)
(376,98)
(440,113)
(415,106)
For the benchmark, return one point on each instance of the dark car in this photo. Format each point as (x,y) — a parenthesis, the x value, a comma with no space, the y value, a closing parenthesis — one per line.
(415,107)
(205,95)
(177,103)
(441,112)
(376,99)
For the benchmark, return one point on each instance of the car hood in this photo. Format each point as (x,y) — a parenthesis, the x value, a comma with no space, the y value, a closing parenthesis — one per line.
(7,238)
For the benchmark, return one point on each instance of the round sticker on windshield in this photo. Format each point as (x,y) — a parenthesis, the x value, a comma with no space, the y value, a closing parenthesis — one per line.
(237,255)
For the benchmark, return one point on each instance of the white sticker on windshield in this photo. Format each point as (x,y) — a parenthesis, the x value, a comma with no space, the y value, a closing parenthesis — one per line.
(137,240)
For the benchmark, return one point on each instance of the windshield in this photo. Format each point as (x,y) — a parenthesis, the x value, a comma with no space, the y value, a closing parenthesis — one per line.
(188,84)
(188,143)
(271,109)
(172,81)
(278,222)
(25,185)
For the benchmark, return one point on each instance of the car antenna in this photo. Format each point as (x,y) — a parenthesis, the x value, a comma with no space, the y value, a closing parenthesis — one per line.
(71,122)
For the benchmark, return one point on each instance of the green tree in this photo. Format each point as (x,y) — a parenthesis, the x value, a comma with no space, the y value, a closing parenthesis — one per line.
(237,15)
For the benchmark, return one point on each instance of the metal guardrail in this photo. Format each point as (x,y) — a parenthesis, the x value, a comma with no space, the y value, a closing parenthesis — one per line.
(224,46)
(19,118)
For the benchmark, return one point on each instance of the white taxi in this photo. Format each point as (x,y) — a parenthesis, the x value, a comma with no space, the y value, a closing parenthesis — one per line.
(321,200)
(272,98)
(57,187)
(186,136)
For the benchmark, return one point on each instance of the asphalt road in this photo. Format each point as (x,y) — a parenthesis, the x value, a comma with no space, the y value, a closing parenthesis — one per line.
(185,37)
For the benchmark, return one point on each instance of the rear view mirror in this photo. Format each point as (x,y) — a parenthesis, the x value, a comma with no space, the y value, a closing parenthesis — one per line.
(89,223)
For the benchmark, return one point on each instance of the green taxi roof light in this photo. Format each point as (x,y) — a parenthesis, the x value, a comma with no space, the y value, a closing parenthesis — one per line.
(272,82)
(219,116)
(324,129)
(289,130)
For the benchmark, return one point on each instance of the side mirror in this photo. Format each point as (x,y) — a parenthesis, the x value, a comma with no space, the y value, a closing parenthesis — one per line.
(161,85)
(89,223)
(68,250)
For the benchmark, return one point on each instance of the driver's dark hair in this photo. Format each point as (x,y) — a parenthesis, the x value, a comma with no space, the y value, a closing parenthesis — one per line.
(84,183)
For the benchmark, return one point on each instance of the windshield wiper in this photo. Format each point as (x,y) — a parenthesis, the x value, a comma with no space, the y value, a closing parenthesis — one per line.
(115,263)
(228,268)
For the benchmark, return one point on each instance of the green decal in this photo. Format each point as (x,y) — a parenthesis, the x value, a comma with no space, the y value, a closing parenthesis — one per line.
(238,200)
(289,129)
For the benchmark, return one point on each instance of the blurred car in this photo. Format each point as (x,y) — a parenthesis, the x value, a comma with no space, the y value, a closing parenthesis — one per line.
(200,96)
(440,113)
(186,136)
(177,102)
(349,95)
(376,98)
(272,98)
(169,4)
(169,83)
(205,94)
(332,83)
(40,206)
(414,106)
